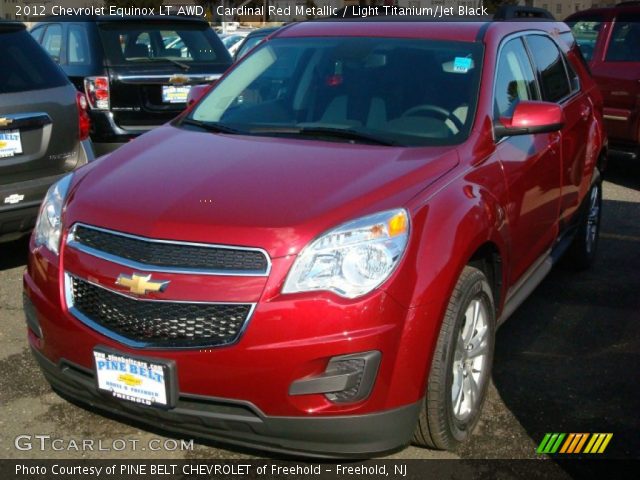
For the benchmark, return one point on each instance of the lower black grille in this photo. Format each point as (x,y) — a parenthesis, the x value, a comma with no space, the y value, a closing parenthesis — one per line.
(348,366)
(173,255)
(159,324)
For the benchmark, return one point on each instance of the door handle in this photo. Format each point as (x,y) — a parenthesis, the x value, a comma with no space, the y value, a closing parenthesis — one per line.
(585,111)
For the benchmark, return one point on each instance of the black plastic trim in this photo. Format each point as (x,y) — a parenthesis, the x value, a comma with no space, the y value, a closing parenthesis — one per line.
(345,436)
(31,317)
(336,380)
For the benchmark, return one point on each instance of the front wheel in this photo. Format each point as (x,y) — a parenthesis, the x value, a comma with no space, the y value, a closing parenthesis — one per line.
(461,366)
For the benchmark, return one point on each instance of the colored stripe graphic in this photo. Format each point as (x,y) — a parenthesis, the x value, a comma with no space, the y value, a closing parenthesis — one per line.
(598,442)
(574,443)
(582,442)
(550,443)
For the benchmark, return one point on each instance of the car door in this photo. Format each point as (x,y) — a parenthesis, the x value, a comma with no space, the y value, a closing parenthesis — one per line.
(560,84)
(531,163)
(618,75)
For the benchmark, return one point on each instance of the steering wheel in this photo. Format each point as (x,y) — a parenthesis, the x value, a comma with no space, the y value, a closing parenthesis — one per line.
(434,111)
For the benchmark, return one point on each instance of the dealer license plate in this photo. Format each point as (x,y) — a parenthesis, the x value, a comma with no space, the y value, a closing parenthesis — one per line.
(10,143)
(133,379)
(171,94)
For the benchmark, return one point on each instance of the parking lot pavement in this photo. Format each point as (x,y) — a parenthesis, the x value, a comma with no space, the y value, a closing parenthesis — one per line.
(566,361)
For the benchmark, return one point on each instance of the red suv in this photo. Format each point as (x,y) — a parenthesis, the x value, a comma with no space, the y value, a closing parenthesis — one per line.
(610,41)
(314,257)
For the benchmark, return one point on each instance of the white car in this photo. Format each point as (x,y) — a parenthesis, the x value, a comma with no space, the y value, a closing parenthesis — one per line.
(232,41)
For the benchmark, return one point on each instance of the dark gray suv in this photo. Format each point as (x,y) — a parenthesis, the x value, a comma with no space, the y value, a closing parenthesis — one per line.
(44,129)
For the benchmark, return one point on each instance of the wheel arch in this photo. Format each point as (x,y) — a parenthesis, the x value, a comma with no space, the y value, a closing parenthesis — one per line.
(470,229)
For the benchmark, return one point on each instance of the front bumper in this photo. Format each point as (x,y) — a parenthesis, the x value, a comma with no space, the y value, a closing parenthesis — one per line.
(243,424)
(245,393)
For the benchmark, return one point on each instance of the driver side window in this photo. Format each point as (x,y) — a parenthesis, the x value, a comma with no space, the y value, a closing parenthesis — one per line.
(515,80)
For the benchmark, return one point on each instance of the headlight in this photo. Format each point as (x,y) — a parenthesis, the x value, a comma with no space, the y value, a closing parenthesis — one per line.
(353,259)
(49,224)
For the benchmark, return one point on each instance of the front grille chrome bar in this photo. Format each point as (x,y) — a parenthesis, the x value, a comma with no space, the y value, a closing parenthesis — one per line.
(75,242)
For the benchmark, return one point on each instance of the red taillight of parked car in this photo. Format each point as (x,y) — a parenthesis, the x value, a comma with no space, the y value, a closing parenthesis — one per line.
(84,121)
(97,90)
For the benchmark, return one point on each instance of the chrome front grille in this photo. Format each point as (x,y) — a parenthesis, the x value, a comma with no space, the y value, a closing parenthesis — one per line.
(155,255)
(155,323)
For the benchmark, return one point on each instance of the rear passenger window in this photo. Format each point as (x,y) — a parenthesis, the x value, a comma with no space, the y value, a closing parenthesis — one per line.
(515,80)
(52,41)
(551,70)
(77,46)
(624,45)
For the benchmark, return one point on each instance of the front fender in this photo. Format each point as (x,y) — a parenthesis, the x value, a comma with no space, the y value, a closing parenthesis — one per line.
(449,228)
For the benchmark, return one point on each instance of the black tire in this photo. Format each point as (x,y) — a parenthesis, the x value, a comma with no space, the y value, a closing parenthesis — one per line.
(582,252)
(438,426)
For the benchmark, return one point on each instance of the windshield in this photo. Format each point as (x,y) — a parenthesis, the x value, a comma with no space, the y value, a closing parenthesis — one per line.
(126,43)
(400,91)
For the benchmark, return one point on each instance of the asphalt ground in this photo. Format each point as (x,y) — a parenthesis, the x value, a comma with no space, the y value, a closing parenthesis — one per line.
(566,361)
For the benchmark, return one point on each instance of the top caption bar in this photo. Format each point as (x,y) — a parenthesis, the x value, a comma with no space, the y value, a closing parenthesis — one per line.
(283,12)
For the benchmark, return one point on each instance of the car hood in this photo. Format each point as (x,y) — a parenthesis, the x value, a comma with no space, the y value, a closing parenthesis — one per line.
(271,193)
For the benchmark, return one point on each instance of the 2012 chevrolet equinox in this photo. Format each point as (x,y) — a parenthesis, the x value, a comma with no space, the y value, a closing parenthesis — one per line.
(314,257)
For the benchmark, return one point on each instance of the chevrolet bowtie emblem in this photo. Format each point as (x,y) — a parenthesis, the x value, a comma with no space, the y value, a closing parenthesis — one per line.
(141,284)
(5,121)
(178,79)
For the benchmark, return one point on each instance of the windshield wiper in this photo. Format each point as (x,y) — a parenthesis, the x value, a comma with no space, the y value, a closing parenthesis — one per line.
(215,127)
(183,66)
(345,133)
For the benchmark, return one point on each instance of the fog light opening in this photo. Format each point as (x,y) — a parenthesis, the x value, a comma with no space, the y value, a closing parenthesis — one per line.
(347,378)
(31,317)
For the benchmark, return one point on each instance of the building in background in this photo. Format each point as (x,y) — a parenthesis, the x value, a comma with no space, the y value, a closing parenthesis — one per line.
(8,9)
(563,8)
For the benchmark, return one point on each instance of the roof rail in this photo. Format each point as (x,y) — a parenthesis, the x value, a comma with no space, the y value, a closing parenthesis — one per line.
(514,12)
(11,25)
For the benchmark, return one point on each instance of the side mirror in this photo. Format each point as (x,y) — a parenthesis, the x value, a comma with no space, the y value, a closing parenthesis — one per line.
(197,92)
(531,117)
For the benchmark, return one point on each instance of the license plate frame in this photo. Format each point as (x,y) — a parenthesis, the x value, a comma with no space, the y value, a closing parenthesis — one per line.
(10,143)
(122,382)
(172,94)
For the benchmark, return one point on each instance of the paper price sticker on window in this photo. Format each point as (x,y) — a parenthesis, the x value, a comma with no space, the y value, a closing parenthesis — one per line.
(462,64)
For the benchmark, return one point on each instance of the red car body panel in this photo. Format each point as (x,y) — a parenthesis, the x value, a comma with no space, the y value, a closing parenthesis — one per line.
(619,81)
(318,191)
(513,197)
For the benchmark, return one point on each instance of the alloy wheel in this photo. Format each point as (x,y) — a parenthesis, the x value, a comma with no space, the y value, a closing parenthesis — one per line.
(470,360)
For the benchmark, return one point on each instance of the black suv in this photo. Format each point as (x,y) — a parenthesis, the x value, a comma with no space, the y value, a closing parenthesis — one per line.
(135,71)
(44,129)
